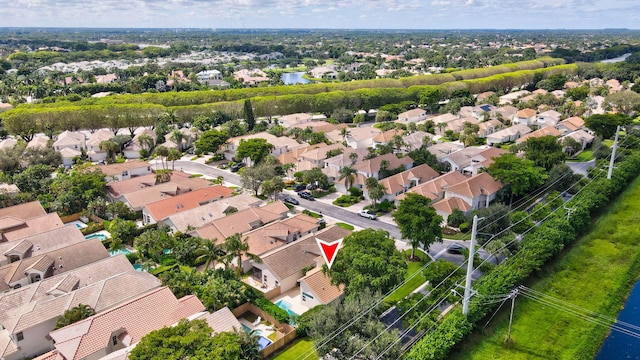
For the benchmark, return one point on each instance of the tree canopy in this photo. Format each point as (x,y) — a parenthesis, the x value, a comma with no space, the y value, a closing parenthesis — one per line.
(211,141)
(521,174)
(545,151)
(368,259)
(255,149)
(418,221)
(605,124)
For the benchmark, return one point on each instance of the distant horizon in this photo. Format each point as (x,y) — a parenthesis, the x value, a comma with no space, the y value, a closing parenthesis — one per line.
(315,29)
(323,14)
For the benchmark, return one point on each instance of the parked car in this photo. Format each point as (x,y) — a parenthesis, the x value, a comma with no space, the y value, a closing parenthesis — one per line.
(236,167)
(299,187)
(455,248)
(290,200)
(306,195)
(368,214)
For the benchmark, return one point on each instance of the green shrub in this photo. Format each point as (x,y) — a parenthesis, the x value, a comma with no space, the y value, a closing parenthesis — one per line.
(305,319)
(354,191)
(272,309)
(91,228)
(465,227)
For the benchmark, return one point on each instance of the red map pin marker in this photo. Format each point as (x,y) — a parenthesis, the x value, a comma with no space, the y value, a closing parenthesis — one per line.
(329,250)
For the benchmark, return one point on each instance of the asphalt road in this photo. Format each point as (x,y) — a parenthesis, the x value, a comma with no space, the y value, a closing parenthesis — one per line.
(581,167)
(194,167)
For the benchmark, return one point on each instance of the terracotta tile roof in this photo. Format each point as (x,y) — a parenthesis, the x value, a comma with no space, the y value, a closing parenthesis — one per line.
(521,129)
(526,113)
(580,136)
(99,136)
(24,211)
(138,317)
(202,215)
(38,142)
(573,123)
(9,223)
(117,169)
(321,285)
(20,247)
(51,355)
(507,111)
(147,195)
(387,136)
(434,189)
(192,199)
(42,265)
(441,150)
(449,204)
(476,185)
(33,226)
(47,241)
(116,189)
(344,160)
(320,153)
(222,320)
(243,221)
(400,181)
(66,285)
(273,235)
(66,258)
(332,233)
(444,118)
(292,156)
(373,165)
(412,113)
(545,131)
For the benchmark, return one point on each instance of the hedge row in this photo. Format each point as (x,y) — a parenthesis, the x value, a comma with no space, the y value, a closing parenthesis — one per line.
(272,309)
(538,247)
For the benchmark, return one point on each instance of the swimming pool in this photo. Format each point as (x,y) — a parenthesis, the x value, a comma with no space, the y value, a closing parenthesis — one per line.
(263,342)
(119,251)
(101,237)
(286,307)
(78,224)
(248,330)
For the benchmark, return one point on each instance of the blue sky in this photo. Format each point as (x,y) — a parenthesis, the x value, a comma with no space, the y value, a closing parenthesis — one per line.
(339,14)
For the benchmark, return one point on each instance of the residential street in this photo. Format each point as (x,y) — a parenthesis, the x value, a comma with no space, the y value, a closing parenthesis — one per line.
(581,167)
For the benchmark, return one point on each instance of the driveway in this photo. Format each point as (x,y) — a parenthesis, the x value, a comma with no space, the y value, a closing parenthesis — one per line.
(581,167)
(204,169)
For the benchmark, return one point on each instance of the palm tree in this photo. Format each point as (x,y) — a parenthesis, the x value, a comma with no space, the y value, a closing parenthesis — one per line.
(344,132)
(147,142)
(178,136)
(235,246)
(441,126)
(349,175)
(163,153)
(209,252)
(173,155)
(75,314)
(110,147)
(353,157)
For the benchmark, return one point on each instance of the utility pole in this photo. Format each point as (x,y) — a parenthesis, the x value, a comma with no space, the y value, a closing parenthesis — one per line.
(513,296)
(467,286)
(569,211)
(613,153)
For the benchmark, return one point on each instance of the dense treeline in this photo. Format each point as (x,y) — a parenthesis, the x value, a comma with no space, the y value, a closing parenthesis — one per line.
(143,110)
(538,247)
(575,55)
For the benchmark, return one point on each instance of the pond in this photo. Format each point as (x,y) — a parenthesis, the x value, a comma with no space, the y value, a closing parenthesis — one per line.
(620,345)
(294,78)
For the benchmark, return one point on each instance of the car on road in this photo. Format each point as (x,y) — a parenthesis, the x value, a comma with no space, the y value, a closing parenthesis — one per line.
(368,214)
(290,200)
(455,248)
(306,195)
(236,167)
(299,187)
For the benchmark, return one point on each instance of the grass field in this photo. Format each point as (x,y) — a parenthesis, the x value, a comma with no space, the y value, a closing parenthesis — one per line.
(297,350)
(595,274)
(412,268)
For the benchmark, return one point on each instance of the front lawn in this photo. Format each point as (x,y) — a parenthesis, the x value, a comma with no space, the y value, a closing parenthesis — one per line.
(299,350)
(584,156)
(415,282)
(596,274)
(345,226)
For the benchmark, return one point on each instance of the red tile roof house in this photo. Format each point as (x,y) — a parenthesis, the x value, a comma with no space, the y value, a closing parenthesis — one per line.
(526,117)
(509,134)
(125,170)
(12,229)
(434,189)
(124,325)
(160,210)
(548,118)
(282,266)
(39,244)
(28,326)
(471,194)
(399,183)
(413,115)
(371,167)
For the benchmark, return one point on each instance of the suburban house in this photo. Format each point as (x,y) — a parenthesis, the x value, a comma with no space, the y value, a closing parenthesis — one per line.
(35,268)
(137,192)
(206,75)
(441,150)
(371,167)
(160,210)
(316,155)
(132,150)
(455,125)
(484,96)
(417,139)
(123,325)
(481,111)
(545,131)
(508,98)
(399,183)
(27,327)
(13,229)
(386,137)
(94,152)
(187,138)
(333,165)
(571,124)
(294,119)
(40,243)
(283,266)
(434,188)
(125,170)
(482,160)
(38,142)
(316,288)
(509,134)
(324,72)
(526,117)
(549,118)
(70,139)
(250,77)
(488,127)
(477,192)
(201,215)
(68,154)
(281,144)
(559,93)
(506,112)
(8,143)
(413,115)
(358,137)
(26,211)
(582,137)
(242,221)
(445,207)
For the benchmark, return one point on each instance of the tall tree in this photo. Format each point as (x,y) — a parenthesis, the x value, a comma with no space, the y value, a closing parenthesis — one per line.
(255,149)
(253,177)
(368,259)
(349,175)
(249,117)
(211,141)
(235,247)
(605,124)
(75,314)
(545,151)
(418,222)
(174,154)
(521,174)
(209,252)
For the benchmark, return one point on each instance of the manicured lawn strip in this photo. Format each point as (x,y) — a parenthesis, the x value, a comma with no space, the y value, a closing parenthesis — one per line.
(345,226)
(414,283)
(299,348)
(597,274)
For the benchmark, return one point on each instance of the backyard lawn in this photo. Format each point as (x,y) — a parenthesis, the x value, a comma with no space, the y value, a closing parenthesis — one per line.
(596,274)
(298,350)
(415,282)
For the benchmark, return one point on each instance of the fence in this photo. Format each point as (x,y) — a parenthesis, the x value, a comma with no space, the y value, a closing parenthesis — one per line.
(288,330)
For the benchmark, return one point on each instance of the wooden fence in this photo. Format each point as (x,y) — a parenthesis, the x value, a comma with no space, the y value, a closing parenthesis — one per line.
(286,329)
